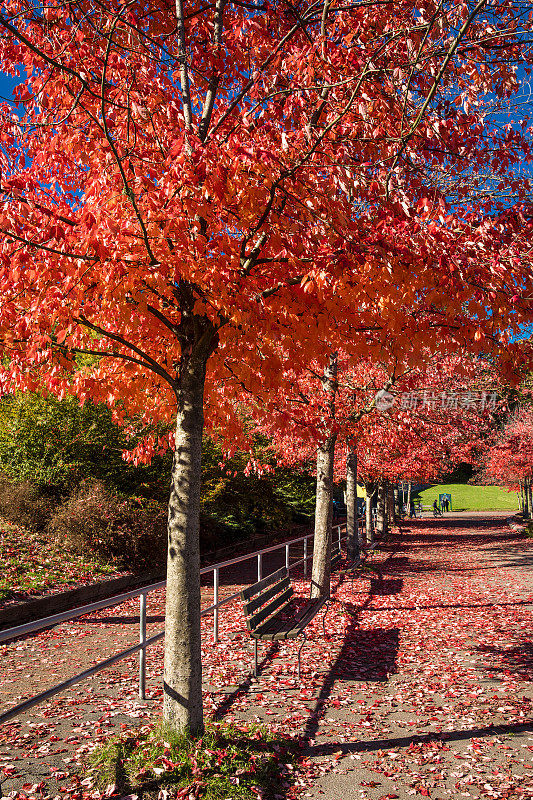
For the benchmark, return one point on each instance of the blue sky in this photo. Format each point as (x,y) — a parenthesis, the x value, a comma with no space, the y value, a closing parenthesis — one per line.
(527,333)
(6,86)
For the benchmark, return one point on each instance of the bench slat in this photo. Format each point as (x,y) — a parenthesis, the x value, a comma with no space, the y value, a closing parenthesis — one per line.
(304,617)
(261,599)
(270,608)
(255,588)
(276,628)
(275,623)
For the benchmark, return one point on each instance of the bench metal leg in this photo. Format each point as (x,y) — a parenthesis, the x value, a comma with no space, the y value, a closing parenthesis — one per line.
(300,654)
(255,658)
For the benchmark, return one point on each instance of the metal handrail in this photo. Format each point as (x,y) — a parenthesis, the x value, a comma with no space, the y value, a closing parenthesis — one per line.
(47,622)
(66,616)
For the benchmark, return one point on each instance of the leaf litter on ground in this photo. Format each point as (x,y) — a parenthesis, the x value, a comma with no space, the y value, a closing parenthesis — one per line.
(416,690)
(33,564)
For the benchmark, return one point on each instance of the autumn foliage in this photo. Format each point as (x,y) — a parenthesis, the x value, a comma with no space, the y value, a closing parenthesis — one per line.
(212,190)
(510,459)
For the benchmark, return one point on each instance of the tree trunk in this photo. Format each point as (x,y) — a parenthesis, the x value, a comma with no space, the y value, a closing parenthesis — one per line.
(352,515)
(182,684)
(409,497)
(391,508)
(526,499)
(369,524)
(381,521)
(321,572)
(397,504)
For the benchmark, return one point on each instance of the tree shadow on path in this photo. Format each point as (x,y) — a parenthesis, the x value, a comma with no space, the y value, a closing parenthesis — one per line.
(515,660)
(328,748)
(366,655)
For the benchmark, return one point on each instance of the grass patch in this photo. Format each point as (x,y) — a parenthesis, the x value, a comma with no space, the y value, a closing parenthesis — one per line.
(226,762)
(32,564)
(472,498)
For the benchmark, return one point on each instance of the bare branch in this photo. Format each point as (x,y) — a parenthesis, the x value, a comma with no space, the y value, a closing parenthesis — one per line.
(128,191)
(215,78)
(248,85)
(274,289)
(184,69)
(451,51)
(42,246)
(51,61)
(147,360)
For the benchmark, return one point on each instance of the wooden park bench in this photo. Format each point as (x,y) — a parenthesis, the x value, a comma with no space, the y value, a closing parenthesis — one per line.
(355,569)
(269,616)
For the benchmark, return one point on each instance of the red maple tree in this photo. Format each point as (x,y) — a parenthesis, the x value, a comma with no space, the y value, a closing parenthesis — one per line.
(510,459)
(185,186)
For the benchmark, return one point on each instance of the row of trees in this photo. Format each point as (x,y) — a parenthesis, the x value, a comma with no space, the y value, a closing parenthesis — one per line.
(510,459)
(430,417)
(202,204)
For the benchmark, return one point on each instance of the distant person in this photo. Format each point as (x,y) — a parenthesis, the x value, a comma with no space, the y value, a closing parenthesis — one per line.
(436,510)
(447,504)
(412,512)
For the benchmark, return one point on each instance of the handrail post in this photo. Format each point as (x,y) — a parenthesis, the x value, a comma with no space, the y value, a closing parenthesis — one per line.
(142,641)
(339,534)
(215,603)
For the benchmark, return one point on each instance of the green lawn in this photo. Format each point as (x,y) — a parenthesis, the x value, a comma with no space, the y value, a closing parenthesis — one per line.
(472,498)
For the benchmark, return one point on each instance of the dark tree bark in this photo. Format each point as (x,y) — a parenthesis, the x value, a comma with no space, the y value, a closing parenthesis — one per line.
(352,515)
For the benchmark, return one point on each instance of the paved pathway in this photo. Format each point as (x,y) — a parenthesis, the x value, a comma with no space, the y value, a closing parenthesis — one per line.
(422,687)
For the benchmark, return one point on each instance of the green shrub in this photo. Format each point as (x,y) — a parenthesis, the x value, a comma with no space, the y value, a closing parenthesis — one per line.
(235,504)
(226,762)
(49,447)
(58,443)
(99,523)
